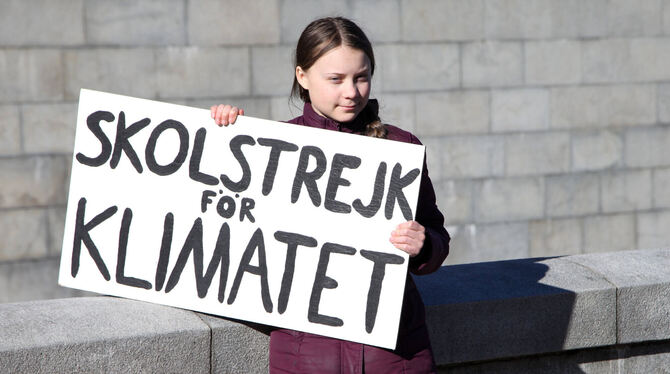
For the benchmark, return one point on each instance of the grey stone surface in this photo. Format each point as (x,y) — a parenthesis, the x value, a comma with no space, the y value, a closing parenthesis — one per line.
(553,62)
(453,112)
(49,128)
(625,60)
(492,64)
(237,346)
(383,26)
(10,130)
(650,147)
(399,110)
(417,67)
(294,15)
(24,234)
(485,311)
(101,335)
(471,156)
(35,279)
(125,71)
(509,199)
(454,198)
(127,22)
(179,72)
(572,195)
(519,110)
(55,228)
(537,153)
(596,150)
(603,106)
(653,230)
(472,243)
(272,70)
(31,75)
(626,191)
(639,18)
(555,237)
(643,294)
(608,233)
(661,186)
(664,100)
(33,181)
(442,20)
(647,358)
(233,22)
(41,22)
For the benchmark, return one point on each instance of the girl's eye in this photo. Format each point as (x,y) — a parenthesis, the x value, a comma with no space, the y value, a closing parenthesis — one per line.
(334,79)
(363,78)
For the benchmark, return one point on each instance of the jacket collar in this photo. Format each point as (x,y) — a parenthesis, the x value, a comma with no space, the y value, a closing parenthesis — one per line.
(314,119)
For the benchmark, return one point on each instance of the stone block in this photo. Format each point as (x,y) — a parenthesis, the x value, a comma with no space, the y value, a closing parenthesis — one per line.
(647,147)
(572,195)
(555,237)
(379,19)
(545,19)
(203,72)
(474,243)
(10,130)
(553,62)
(647,358)
(417,67)
(603,106)
(24,234)
(237,346)
(398,110)
(643,300)
(233,22)
(41,22)
(509,199)
(661,186)
(666,18)
(596,150)
(550,153)
(31,75)
(479,312)
(283,109)
(128,22)
(626,60)
(492,64)
(272,70)
(471,156)
(624,191)
(295,15)
(434,156)
(453,112)
(638,18)
(519,110)
(430,20)
(49,128)
(454,198)
(33,181)
(652,230)
(102,334)
(609,233)
(55,229)
(35,279)
(121,71)
(664,101)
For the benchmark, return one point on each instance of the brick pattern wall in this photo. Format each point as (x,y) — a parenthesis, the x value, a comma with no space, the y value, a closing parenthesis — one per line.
(546,121)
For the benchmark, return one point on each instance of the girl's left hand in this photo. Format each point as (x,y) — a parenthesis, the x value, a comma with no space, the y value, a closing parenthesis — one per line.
(409,237)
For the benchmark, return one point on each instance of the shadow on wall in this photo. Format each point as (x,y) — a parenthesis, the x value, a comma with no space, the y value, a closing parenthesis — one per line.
(484,311)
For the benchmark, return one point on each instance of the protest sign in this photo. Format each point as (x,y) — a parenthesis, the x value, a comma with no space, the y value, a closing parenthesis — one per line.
(262,221)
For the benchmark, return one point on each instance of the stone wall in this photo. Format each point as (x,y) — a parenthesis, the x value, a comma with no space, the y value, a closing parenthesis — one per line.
(546,121)
(604,313)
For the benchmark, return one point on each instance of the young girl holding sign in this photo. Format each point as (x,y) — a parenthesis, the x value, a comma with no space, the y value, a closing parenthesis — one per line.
(334,64)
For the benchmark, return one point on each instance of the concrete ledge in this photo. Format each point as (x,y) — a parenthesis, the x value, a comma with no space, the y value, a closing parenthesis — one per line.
(602,312)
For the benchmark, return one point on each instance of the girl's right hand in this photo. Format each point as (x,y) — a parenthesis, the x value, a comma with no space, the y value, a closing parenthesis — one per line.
(224,114)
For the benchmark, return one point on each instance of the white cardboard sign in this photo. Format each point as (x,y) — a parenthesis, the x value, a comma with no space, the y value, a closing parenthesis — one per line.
(262,221)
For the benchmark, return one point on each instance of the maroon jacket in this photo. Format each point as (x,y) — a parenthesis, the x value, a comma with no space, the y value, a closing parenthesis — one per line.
(299,352)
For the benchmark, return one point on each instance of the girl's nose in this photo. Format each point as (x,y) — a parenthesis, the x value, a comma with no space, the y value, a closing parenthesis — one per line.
(350,90)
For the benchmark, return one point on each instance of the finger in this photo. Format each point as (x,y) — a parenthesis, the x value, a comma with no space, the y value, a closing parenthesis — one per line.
(212,111)
(232,115)
(241,111)
(222,114)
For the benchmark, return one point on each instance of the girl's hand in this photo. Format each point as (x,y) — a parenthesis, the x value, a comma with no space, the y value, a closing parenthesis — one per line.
(224,114)
(409,237)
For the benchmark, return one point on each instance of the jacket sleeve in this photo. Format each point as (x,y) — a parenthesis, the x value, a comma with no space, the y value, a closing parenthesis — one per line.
(436,245)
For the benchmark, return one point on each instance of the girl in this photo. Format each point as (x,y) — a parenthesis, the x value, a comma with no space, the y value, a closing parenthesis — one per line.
(334,64)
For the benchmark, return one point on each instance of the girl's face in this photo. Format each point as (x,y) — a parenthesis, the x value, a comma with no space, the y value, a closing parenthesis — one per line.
(338,83)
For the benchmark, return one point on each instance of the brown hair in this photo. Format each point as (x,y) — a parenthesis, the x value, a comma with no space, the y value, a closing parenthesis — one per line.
(323,35)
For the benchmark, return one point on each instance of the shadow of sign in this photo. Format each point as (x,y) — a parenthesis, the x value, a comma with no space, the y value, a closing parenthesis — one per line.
(480,312)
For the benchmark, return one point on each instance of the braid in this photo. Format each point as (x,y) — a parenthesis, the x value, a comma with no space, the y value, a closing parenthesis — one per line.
(373,124)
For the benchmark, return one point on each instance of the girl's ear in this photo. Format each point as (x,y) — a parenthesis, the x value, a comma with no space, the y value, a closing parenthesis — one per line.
(301,76)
